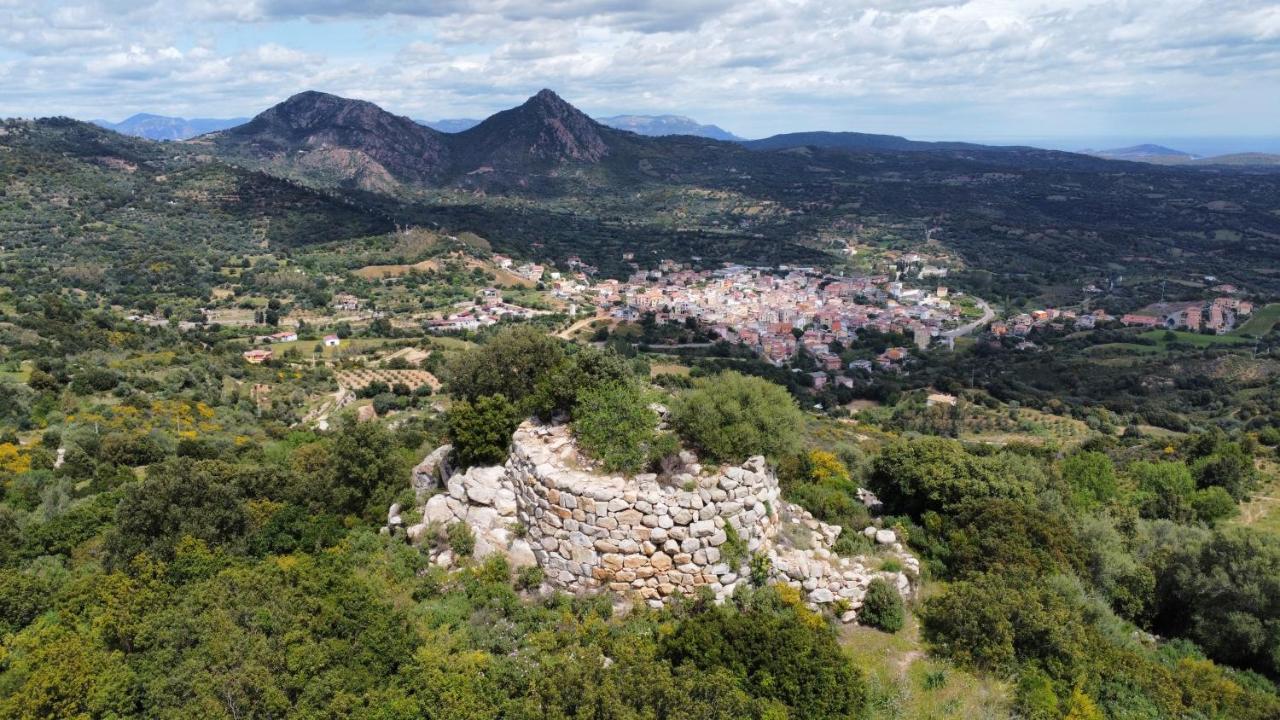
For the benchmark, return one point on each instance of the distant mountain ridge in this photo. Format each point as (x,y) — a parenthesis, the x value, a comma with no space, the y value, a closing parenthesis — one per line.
(544,129)
(663,125)
(1161,155)
(354,143)
(543,145)
(450,125)
(1146,152)
(162,127)
(856,141)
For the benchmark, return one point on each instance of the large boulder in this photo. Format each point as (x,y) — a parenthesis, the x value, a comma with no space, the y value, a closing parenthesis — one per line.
(433,471)
(504,501)
(437,510)
(482,484)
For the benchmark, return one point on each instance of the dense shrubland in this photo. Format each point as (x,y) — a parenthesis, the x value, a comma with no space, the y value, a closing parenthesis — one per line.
(195,555)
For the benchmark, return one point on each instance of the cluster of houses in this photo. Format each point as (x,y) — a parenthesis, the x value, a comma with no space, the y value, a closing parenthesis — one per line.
(777,312)
(1218,315)
(489,309)
(1021,325)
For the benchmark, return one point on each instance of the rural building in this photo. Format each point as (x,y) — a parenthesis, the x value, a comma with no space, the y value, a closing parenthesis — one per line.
(257,356)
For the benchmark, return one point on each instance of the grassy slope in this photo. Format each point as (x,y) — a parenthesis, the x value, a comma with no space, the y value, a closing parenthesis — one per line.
(906,684)
(1261,322)
(1262,511)
(1190,338)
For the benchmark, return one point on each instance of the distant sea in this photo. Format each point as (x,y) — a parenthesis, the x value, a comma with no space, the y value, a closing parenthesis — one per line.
(1202,146)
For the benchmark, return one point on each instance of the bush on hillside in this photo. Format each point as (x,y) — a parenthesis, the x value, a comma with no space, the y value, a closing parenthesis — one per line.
(731,417)
(510,364)
(770,644)
(481,430)
(614,425)
(558,390)
(882,607)
(912,477)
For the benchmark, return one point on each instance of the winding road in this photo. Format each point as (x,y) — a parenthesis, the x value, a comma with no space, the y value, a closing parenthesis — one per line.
(987,316)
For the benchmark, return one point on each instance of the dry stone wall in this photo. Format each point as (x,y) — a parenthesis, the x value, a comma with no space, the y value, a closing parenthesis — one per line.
(592,531)
(643,538)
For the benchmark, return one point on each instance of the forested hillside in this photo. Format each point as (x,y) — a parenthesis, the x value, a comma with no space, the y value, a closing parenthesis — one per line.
(225,364)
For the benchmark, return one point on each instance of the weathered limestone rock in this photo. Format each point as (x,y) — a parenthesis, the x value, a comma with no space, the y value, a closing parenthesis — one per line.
(437,510)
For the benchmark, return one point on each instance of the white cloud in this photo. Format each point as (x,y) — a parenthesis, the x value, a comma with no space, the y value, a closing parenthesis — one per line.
(933,67)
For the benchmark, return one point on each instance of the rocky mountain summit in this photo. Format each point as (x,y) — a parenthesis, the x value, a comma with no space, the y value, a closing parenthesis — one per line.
(544,129)
(644,537)
(354,142)
(332,140)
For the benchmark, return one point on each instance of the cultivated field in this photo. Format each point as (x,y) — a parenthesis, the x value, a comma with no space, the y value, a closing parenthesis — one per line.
(361,378)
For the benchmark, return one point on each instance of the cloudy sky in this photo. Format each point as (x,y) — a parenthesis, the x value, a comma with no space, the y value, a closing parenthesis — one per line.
(965,69)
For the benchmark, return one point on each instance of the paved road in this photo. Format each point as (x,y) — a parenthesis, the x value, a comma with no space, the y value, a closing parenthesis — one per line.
(987,316)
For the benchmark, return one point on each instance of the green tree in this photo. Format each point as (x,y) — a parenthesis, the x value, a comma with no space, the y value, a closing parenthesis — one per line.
(732,416)
(614,425)
(368,468)
(1225,595)
(481,429)
(1034,697)
(773,651)
(1213,503)
(1002,535)
(1230,468)
(585,367)
(181,497)
(57,672)
(1091,476)
(1164,489)
(914,476)
(993,621)
(511,364)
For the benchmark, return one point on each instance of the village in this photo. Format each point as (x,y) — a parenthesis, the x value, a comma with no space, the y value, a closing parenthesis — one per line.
(802,318)
(779,311)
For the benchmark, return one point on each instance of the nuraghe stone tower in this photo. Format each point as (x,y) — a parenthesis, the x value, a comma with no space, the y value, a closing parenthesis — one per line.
(641,538)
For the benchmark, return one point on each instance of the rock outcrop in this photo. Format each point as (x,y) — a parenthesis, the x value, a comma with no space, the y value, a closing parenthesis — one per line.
(640,537)
(432,472)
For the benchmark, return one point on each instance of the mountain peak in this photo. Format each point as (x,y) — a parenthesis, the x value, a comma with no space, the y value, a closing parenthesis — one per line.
(324,134)
(312,108)
(550,104)
(545,128)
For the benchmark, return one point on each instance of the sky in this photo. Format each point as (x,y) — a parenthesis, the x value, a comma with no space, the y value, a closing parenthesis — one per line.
(984,70)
